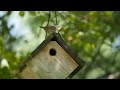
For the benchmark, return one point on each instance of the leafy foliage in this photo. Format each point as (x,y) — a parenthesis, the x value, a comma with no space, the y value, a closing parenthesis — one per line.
(92,34)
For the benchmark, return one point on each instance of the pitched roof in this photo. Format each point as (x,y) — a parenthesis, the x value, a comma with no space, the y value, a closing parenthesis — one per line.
(57,37)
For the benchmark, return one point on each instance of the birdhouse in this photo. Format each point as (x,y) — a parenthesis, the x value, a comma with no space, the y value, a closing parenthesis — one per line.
(52,59)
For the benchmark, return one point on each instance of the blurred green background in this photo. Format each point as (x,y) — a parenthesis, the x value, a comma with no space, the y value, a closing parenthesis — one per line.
(93,35)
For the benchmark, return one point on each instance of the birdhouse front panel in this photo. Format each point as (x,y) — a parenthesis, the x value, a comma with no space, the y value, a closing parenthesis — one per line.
(51,62)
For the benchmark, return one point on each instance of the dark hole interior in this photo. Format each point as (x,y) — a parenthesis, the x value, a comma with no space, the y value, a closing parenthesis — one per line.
(52,52)
(25,65)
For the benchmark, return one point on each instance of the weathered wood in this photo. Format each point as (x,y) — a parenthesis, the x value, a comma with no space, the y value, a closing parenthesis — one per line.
(45,66)
(69,50)
(67,63)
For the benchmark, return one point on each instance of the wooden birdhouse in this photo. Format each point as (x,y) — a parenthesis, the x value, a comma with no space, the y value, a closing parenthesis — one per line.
(52,59)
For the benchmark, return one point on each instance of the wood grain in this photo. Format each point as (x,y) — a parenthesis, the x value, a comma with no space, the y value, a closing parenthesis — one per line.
(45,66)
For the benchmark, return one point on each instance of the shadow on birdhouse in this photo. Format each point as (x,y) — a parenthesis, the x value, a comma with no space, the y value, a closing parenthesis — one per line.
(52,59)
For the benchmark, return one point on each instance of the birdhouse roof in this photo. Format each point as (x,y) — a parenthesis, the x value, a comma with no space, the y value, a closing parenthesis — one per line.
(56,37)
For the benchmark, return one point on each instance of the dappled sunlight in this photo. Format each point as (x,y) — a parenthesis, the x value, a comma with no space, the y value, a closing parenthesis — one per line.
(93,35)
(116,44)
(4,63)
(21,28)
(95,73)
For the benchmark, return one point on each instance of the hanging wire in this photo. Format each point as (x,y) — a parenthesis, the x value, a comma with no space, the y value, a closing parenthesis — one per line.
(56,17)
(49,16)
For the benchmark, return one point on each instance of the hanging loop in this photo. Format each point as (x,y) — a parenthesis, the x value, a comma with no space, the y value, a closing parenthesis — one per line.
(49,17)
(56,17)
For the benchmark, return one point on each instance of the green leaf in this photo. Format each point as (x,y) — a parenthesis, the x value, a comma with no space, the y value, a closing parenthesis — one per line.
(32,13)
(21,13)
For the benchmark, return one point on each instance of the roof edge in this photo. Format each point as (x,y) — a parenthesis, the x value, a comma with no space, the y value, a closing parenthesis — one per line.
(55,37)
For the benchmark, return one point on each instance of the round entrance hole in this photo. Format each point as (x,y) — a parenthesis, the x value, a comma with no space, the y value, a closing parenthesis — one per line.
(52,52)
